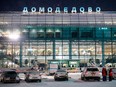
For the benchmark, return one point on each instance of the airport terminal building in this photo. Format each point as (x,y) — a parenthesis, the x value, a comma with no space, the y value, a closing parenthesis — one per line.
(70,39)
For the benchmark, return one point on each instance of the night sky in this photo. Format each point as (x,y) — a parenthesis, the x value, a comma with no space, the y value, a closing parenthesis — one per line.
(17,5)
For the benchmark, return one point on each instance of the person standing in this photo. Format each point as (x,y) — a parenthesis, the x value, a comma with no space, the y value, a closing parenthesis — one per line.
(104,74)
(110,75)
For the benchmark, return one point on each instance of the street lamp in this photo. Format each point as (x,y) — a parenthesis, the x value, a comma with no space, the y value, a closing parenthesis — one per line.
(13,37)
(84,53)
(103,29)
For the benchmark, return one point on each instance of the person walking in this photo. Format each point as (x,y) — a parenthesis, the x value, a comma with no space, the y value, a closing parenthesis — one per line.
(104,74)
(110,75)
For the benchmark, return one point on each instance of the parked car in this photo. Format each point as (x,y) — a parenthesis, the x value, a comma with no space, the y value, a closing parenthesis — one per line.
(9,76)
(91,73)
(61,74)
(114,73)
(33,76)
(0,72)
(21,75)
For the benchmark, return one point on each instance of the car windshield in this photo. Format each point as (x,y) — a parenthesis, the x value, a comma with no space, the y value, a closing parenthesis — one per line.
(61,71)
(92,69)
(33,72)
(21,74)
(114,70)
(10,74)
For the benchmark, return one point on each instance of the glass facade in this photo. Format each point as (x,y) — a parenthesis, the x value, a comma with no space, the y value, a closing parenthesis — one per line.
(84,38)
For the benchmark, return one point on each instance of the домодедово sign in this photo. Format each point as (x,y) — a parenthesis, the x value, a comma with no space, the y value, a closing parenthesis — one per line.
(63,10)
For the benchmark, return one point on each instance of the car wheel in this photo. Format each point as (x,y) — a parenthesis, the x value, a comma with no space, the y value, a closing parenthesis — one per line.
(55,79)
(39,80)
(18,81)
(82,78)
(3,81)
(26,80)
(66,79)
(98,79)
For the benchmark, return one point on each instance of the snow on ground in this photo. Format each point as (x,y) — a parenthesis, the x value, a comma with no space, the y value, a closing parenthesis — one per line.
(48,81)
(74,76)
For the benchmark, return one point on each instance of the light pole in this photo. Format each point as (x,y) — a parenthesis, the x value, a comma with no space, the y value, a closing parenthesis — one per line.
(84,53)
(13,37)
(103,29)
(12,53)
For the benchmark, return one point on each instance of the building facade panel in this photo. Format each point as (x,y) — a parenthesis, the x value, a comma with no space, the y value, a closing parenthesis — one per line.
(87,38)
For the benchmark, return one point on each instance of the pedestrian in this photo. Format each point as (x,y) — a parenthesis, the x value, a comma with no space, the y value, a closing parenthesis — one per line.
(104,74)
(110,75)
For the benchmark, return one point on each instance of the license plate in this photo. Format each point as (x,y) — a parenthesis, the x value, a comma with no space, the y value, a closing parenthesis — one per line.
(34,77)
(93,73)
(7,78)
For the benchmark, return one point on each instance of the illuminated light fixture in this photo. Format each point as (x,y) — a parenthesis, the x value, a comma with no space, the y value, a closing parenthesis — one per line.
(49,30)
(33,30)
(29,27)
(41,30)
(14,36)
(17,31)
(108,22)
(30,49)
(3,22)
(57,30)
(0,34)
(25,30)
(103,28)
(8,31)
(0,30)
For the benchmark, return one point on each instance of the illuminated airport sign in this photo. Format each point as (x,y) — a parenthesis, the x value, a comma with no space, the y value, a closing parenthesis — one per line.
(59,10)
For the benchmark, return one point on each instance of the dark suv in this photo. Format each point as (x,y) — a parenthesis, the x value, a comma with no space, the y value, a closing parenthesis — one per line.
(9,76)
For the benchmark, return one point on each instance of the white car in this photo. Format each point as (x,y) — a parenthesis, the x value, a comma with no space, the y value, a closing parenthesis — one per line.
(21,76)
(33,76)
(114,73)
(91,73)
(61,74)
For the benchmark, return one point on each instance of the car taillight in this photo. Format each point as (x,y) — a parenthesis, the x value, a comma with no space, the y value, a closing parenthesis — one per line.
(98,72)
(86,72)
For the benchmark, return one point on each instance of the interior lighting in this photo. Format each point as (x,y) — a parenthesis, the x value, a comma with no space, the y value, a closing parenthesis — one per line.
(49,30)
(57,30)
(33,30)
(14,36)
(41,30)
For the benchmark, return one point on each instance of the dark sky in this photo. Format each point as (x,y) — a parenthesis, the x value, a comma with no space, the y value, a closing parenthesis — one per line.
(17,5)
